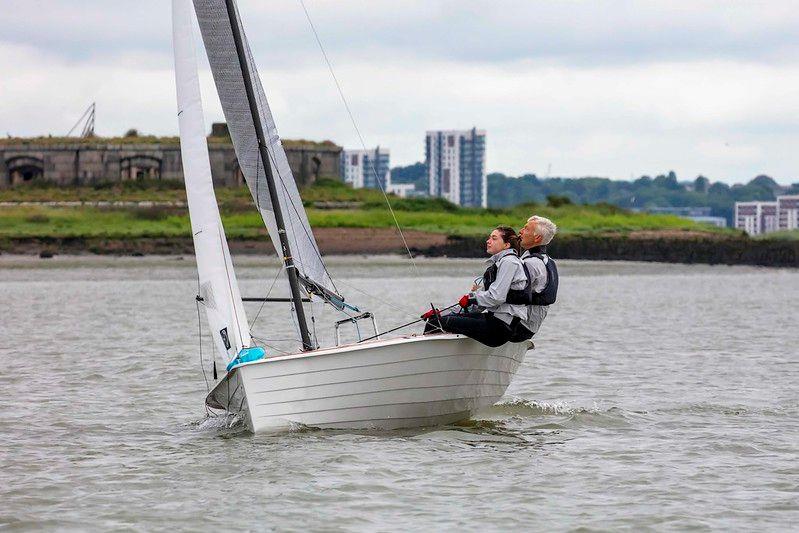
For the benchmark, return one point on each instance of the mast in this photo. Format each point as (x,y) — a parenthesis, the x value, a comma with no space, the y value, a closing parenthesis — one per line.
(291,270)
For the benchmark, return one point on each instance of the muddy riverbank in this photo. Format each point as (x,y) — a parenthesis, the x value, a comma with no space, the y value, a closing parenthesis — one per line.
(653,246)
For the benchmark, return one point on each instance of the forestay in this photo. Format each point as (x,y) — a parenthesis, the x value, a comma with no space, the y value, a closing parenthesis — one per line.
(219,289)
(220,47)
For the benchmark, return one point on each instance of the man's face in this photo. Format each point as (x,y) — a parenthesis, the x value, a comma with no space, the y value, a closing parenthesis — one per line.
(529,238)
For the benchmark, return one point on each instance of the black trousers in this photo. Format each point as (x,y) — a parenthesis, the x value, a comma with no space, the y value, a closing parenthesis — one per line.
(482,327)
(521,333)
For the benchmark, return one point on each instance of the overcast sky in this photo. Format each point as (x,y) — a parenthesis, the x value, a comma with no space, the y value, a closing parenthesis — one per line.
(601,88)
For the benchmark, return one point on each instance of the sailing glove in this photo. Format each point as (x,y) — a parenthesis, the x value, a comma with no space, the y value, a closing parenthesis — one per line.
(466,300)
(430,313)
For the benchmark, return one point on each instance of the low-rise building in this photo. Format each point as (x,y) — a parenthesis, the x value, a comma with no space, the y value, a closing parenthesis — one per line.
(363,168)
(757,218)
(686,212)
(787,212)
(697,214)
(403,190)
(719,222)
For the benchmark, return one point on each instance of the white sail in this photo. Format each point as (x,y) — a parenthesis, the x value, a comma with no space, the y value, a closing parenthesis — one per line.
(219,289)
(215,26)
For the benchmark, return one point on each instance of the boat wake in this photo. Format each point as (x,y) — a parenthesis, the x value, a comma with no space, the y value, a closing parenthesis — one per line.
(221,422)
(516,412)
(519,407)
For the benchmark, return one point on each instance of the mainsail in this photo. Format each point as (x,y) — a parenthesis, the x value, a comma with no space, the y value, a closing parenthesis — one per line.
(217,33)
(219,289)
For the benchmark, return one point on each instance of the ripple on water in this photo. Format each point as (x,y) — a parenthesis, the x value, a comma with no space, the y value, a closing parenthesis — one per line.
(674,408)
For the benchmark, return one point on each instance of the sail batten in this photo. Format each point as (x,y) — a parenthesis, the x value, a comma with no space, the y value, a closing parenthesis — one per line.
(218,287)
(215,26)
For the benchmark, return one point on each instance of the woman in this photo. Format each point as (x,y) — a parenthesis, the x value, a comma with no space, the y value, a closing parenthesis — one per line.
(485,314)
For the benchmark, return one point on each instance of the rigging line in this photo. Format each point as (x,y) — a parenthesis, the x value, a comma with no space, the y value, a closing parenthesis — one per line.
(294,320)
(263,341)
(310,237)
(358,131)
(313,325)
(276,339)
(253,68)
(257,182)
(200,335)
(384,302)
(267,296)
(200,338)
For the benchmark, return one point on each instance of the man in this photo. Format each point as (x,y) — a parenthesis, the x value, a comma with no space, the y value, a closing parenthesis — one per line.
(536,234)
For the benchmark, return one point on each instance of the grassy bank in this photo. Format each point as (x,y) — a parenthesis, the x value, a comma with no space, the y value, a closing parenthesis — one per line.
(364,209)
(788,235)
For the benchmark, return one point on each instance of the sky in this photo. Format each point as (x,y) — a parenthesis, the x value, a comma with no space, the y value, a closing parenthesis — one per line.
(615,89)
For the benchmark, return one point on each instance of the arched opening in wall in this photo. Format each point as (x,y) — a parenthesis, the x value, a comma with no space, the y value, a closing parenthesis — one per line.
(238,175)
(24,169)
(140,168)
(317,165)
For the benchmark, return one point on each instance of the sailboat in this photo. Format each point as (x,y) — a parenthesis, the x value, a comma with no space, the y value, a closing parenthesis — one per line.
(385,383)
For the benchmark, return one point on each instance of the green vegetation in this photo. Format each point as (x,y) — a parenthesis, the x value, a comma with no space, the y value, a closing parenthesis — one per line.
(415,173)
(645,192)
(789,235)
(664,190)
(367,210)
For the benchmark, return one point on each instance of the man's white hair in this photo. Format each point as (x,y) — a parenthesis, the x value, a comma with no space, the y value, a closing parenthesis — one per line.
(544,227)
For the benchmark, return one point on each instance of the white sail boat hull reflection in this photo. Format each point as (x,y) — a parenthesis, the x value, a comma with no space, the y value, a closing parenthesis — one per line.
(386,384)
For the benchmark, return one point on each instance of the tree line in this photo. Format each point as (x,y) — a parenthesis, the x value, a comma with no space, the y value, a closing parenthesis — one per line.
(663,190)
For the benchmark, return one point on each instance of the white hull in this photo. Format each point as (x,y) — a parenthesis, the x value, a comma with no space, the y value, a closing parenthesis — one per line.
(388,384)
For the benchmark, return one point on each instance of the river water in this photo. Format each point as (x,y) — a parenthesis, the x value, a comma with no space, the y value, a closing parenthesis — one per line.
(658,396)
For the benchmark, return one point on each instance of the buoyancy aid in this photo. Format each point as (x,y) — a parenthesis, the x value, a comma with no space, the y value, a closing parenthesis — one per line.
(490,277)
(528,296)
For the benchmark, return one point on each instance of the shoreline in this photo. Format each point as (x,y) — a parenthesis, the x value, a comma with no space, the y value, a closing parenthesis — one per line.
(647,246)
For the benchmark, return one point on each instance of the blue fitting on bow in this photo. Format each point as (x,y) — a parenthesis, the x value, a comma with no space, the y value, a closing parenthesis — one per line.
(246,355)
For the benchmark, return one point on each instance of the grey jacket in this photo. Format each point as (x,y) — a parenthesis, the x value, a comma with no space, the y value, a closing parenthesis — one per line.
(510,275)
(535,314)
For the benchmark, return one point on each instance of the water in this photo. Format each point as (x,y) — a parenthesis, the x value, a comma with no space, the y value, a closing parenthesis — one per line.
(659,396)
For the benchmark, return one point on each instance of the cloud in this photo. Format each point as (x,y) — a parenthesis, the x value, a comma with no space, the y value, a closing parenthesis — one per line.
(603,88)
(592,33)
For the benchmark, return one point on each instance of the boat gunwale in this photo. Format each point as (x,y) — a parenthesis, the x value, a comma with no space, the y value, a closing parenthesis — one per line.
(358,346)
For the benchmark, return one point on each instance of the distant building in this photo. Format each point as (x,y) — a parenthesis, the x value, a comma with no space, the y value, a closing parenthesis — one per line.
(686,212)
(403,190)
(87,161)
(456,166)
(719,222)
(788,212)
(697,214)
(362,168)
(757,218)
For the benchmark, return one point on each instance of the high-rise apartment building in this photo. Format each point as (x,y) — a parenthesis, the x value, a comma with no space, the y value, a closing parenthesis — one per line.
(456,166)
(362,168)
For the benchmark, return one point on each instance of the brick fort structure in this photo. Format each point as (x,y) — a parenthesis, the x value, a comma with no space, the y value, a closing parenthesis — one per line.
(71,161)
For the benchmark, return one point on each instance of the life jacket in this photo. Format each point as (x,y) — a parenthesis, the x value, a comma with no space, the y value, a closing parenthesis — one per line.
(528,296)
(490,276)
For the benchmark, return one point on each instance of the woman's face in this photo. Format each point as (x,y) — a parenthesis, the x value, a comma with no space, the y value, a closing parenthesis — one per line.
(495,244)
